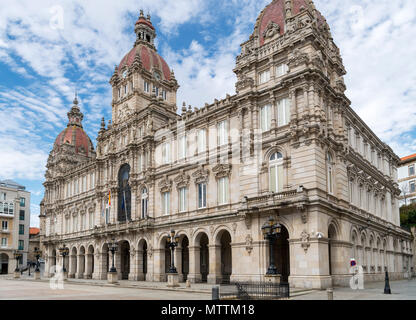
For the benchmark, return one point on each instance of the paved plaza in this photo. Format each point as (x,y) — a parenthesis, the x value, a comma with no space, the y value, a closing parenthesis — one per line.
(75,289)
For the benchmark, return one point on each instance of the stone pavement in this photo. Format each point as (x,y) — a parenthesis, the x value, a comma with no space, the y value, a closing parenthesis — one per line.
(401,290)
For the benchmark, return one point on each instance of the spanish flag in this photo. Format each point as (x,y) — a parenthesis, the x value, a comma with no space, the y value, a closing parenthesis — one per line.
(109,198)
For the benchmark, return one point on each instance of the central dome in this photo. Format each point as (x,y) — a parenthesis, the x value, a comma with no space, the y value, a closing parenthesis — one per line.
(151,60)
(278,11)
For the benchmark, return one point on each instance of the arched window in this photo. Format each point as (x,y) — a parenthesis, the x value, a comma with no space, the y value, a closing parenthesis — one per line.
(330,173)
(124,194)
(145,199)
(276,172)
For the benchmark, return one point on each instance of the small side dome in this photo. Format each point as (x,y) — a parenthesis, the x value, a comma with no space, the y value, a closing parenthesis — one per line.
(74,135)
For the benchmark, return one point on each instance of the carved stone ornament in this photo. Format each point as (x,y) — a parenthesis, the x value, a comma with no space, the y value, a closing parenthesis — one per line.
(182,180)
(244,82)
(272,29)
(249,244)
(222,170)
(303,213)
(150,251)
(165,184)
(297,58)
(305,240)
(201,175)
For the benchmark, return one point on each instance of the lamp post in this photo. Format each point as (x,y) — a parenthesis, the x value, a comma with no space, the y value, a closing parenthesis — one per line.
(270,232)
(173,242)
(38,254)
(64,251)
(17,256)
(173,276)
(113,248)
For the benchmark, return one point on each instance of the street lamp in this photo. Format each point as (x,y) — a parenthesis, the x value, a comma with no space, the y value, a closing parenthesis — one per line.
(38,253)
(270,232)
(173,242)
(113,246)
(64,251)
(17,256)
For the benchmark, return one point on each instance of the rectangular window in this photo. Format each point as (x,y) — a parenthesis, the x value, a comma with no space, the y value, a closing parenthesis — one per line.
(202,140)
(11,208)
(125,89)
(93,180)
(264,76)
(166,153)
(21,229)
(119,92)
(283,112)
(6,208)
(67,225)
(91,218)
(4,242)
(182,199)
(281,70)
(22,202)
(1,208)
(164,95)
(222,133)
(412,187)
(411,170)
(22,215)
(202,195)
(182,147)
(156,91)
(146,87)
(21,245)
(166,203)
(4,225)
(266,117)
(223,190)
(3,196)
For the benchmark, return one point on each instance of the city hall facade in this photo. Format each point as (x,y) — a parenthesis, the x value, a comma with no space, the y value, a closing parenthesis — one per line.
(287,145)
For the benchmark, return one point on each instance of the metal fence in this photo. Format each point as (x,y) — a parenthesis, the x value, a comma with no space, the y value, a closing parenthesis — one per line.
(254,291)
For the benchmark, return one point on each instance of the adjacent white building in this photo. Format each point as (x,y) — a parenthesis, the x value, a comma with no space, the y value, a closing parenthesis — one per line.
(407,180)
(14,224)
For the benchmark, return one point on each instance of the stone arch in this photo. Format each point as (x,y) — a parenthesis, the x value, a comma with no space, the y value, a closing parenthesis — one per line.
(201,242)
(197,234)
(333,235)
(217,233)
(124,193)
(142,258)
(123,254)
(281,251)
(223,241)
(90,261)
(269,152)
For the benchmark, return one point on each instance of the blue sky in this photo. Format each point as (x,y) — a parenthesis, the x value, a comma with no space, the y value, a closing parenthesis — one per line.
(49,49)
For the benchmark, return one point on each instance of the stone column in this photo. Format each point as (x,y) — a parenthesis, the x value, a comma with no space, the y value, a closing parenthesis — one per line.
(133,265)
(159,264)
(117,263)
(214,275)
(80,266)
(88,266)
(178,262)
(139,266)
(194,275)
(72,266)
(96,269)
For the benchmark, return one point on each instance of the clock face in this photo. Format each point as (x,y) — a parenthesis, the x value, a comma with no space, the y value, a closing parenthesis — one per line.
(125,74)
(157,75)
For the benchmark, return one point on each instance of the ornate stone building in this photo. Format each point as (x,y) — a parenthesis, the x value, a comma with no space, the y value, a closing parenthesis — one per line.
(287,145)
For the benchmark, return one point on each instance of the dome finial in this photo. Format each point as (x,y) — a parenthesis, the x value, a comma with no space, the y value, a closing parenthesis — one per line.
(76,98)
(141,13)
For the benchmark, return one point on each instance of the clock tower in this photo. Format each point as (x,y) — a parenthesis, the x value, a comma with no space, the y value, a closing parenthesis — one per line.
(143,78)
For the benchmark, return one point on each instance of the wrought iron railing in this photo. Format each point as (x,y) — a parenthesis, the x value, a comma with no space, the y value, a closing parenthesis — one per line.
(254,291)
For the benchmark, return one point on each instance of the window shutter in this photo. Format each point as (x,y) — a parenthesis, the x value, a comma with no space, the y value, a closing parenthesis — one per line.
(287,111)
(280,113)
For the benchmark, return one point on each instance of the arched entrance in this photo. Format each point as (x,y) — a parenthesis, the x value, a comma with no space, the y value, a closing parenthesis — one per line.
(142,260)
(332,234)
(4,263)
(282,255)
(105,261)
(185,257)
(167,258)
(224,239)
(90,262)
(204,257)
(124,260)
(124,194)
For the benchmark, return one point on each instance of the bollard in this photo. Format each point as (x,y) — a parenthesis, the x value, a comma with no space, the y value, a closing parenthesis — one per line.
(216,293)
(330,293)
(387,284)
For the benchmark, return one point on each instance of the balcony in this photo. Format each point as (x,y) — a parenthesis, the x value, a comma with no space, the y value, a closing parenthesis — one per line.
(275,200)
(6,215)
(5,231)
